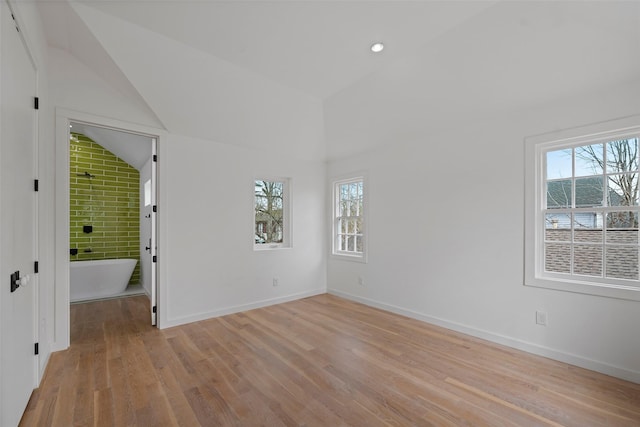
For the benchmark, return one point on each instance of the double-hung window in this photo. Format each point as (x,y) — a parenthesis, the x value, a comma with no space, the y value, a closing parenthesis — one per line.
(349,220)
(582,206)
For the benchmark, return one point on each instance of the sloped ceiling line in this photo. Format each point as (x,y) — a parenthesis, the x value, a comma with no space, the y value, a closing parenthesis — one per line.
(66,30)
(198,95)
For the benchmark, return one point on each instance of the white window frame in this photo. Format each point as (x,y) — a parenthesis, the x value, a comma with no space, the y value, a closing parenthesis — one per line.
(335,252)
(287,238)
(536,148)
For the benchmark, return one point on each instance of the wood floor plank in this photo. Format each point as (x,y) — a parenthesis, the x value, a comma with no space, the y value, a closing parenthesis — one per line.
(123,412)
(319,361)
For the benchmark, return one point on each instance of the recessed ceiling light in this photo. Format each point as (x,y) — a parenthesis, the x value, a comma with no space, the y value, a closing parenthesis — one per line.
(377,47)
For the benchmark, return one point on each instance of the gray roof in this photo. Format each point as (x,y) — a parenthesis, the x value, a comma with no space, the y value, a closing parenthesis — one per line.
(589,192)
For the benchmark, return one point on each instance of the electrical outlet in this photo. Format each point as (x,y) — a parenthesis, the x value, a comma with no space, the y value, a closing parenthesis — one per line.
(360,280)
(541,318)
(275,281)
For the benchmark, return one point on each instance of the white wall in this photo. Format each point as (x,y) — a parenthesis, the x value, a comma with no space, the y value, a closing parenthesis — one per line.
(446,238)
(76,87)
(207,265)
(211,267)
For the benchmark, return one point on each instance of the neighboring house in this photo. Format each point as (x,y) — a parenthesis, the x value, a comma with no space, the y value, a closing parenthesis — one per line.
(588,192)
(267,229)
(587,258)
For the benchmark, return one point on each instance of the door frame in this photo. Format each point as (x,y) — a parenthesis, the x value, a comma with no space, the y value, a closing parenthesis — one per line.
(64,117)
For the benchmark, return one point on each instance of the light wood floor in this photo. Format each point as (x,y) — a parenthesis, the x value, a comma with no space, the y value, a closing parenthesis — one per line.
(320,361)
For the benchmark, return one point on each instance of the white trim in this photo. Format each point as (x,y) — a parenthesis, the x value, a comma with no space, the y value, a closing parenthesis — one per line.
(534,195)
(153,252)
(551,353)
(63,117)
(177,321)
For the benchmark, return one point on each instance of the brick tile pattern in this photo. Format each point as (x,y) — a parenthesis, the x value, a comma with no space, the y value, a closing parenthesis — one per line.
(110,202)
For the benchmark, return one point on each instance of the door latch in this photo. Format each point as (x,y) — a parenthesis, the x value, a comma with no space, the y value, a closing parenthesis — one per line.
(15,281)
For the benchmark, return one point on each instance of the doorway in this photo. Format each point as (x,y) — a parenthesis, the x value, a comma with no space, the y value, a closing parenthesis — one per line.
(93,232)
(112,219)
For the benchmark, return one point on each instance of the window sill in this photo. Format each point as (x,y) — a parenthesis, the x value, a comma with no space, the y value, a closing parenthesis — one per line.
(268,247)
(347,257)
(629,293)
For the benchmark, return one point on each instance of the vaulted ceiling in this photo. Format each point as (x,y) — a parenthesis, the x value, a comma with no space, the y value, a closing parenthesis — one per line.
(443,60)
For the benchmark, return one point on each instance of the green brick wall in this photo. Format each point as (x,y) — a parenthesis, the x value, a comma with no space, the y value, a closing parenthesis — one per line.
(110,202)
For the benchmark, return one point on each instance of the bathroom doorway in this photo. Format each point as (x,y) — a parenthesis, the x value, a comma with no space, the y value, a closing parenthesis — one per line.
(112,214)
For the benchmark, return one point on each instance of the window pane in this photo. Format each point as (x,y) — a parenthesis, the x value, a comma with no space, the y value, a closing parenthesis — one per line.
(343,208)
(350,243)
(277,235)
(147,193)
(343,226)
(348,237)
(557,257)
(622,156)
(354,208)
(589,192)
(588,227)
(559,164)
(587,260)
(558,227)
(589,160)
(559,194)
(623,190)
(622,227)
(269,202)
(622,262)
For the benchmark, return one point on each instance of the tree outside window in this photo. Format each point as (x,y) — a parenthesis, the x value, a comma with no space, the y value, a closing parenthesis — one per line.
(269,212)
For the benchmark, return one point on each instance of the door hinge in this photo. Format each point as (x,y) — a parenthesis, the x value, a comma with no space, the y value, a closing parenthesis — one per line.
(36,349)
(155,208)
(35,266)
(36,103)
(154,309)
(155,157)
(35,185)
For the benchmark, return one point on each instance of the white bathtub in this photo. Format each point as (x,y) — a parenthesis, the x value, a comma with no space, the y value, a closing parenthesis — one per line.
(99,278)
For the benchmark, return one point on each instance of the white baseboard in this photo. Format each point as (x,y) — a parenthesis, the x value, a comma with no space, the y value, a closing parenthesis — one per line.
(539,350)
(239,308)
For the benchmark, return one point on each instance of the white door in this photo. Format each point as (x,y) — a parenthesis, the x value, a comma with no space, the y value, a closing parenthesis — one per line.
(154,237)
(17,222)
